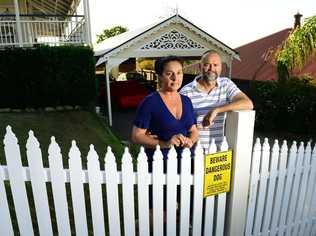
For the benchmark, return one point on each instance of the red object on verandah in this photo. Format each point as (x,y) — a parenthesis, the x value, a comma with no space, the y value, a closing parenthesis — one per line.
(128,94)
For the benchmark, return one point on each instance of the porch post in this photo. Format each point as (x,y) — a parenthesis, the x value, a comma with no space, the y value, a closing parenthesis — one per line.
(87,21)
(108,92)
(230,67)
(239,133)
(18,22)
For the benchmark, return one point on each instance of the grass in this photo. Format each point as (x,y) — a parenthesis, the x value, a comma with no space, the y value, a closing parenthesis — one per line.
(83,126)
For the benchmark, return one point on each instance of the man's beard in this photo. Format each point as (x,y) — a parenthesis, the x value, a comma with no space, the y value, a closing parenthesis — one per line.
(210,76)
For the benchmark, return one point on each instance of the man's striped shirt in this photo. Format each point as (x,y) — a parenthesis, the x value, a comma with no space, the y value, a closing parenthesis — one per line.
(204,102)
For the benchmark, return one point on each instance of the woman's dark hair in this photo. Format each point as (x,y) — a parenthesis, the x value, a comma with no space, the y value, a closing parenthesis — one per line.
(160,63)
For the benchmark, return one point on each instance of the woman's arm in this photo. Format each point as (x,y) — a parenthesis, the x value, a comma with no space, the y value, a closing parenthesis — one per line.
(140,136)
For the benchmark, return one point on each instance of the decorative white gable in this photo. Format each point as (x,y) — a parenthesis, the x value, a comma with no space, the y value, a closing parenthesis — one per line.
(175,34)
(172,40)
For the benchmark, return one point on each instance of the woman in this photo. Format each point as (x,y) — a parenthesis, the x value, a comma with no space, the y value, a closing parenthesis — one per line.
(165,117)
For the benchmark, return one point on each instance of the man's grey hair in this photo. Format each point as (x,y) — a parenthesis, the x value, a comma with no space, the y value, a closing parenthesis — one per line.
(210,51)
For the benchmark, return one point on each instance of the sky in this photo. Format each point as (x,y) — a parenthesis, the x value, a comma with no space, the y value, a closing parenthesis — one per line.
(233,22)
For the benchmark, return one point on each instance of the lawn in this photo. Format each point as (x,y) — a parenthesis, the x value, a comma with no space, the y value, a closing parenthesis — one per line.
(83,126)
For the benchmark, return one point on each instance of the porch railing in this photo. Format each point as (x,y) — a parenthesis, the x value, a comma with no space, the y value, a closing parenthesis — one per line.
(48,30)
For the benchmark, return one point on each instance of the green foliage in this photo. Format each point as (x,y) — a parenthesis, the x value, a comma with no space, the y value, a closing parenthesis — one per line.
(297,48)
(108,33)
(289,106)
(47,76)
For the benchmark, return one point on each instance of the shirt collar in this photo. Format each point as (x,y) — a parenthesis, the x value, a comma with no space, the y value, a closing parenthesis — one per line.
(195,83)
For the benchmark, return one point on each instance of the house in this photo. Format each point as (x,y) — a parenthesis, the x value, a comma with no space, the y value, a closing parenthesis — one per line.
(50,22)
(257,62)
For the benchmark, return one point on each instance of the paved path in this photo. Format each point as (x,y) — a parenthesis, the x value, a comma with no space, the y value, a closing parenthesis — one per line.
(122,123)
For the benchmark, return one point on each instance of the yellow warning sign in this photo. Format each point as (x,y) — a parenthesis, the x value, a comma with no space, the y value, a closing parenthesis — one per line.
(217,172)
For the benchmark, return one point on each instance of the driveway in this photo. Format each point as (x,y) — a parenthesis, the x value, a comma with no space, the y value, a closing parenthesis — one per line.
(122,123)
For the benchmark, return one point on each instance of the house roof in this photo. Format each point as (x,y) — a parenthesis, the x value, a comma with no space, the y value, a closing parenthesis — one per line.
(112,46)
(254,65)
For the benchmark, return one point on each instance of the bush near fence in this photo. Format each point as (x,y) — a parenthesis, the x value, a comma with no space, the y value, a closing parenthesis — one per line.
(288,106)
(47,76)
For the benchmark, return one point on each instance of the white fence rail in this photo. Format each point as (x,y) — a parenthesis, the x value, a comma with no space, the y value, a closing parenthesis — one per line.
(120,194)
(282,195)
(49,32)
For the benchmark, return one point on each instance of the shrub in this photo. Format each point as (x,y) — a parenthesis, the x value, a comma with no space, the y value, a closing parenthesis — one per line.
(287,106)
(47,76)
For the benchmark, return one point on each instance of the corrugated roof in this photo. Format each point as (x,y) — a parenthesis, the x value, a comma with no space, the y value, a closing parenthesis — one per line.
(253,64)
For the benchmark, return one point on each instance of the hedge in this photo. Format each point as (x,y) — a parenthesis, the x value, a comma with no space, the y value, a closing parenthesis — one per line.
(288,106)
(47,76)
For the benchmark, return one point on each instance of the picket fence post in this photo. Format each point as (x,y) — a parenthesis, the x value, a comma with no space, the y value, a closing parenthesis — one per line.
(15,168)
(239,134)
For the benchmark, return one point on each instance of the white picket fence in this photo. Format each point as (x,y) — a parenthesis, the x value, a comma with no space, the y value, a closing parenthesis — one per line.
(282,195)
(121,214)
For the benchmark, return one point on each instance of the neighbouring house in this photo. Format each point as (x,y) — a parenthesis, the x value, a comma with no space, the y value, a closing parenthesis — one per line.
(256,62)
(50,22)
(172,36)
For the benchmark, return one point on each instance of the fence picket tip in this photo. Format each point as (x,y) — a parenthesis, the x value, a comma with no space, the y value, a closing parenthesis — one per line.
(141,154)
(126,156)
(91,146)
(32,140)
(276,143)
(224,144)
(276,146)
(109,156)
(212,148)
(198,151)
(301,146)
(258,141)
(172,153)
(52,139)
(73,143)
(9,137)
(157,154)
(9,128)
(293,147)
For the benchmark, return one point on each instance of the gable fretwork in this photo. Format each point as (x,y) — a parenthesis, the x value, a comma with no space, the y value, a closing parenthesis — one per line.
(172,40)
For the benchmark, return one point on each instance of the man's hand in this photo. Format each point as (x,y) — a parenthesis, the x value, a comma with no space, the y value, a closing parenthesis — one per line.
(208,120)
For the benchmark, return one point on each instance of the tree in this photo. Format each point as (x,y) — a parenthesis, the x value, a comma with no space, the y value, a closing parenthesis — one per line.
(108,33)
(297,48)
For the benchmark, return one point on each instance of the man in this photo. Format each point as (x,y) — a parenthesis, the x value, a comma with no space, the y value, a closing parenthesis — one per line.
(212,96)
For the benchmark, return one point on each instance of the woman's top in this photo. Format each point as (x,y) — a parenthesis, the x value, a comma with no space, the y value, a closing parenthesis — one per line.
(152,114)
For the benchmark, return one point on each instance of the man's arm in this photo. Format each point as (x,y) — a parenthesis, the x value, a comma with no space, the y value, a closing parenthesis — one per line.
(239,102)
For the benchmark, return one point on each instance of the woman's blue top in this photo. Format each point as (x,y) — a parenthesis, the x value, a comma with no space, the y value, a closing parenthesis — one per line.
(152,114)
